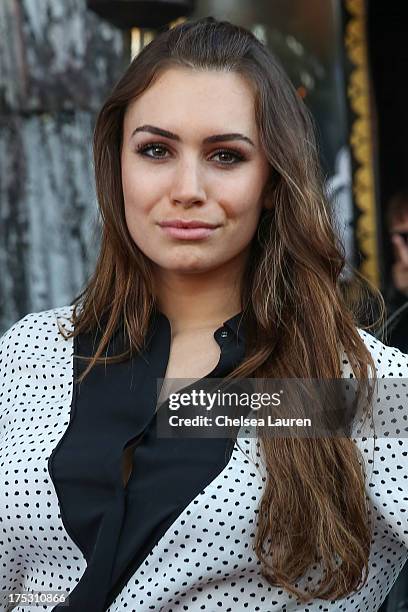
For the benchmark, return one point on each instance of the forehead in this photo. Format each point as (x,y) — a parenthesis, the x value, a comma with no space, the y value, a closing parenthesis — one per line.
(205,100)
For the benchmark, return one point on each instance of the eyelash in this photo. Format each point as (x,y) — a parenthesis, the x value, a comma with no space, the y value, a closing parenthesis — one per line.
(141,150)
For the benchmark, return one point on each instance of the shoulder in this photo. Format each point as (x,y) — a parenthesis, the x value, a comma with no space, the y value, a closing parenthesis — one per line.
(34,357)
(389,362)
(35,326)
(383,442)
(34,336)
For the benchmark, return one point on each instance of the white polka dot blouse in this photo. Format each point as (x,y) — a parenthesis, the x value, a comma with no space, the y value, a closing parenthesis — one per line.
(202,558)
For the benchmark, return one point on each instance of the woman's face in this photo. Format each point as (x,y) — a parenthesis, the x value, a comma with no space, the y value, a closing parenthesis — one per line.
(191,156)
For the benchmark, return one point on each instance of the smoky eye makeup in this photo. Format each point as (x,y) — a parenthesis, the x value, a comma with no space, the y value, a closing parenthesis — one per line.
(228,156)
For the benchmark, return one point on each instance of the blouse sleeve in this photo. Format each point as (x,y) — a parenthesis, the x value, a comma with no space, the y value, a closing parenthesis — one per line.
(11,349)
(11,394)
(384,442)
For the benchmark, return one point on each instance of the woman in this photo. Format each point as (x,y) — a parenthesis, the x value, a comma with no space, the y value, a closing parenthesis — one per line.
(218,259)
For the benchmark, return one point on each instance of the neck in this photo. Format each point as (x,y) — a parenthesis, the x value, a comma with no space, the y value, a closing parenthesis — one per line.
(198,300)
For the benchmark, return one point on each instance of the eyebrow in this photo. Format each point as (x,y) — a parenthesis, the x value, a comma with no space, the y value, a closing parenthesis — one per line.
(210,139)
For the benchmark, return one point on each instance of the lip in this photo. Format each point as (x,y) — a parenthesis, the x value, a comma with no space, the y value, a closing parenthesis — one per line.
(187,224)
(188,230)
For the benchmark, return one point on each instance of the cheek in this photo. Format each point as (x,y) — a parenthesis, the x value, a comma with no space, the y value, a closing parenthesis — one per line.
(243,190)
(244,205)
(244,212)
(138,193)
(136,207)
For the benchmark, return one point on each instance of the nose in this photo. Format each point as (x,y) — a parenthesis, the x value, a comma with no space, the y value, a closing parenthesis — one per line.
(187,187)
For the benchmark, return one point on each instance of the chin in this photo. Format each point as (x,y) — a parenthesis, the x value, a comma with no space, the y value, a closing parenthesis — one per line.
(186,268)
(186,265)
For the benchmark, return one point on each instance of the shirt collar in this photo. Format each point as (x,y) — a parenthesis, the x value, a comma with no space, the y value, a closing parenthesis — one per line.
(236,325)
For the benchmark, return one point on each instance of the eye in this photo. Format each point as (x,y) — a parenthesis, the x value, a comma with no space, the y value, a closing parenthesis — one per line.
(142,150)
(230,156)
(156,150)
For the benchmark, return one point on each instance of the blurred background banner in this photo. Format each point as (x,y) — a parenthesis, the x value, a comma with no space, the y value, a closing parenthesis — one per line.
(60,58)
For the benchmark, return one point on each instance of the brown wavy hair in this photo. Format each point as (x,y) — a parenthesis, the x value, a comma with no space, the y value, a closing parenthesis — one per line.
(313,507)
